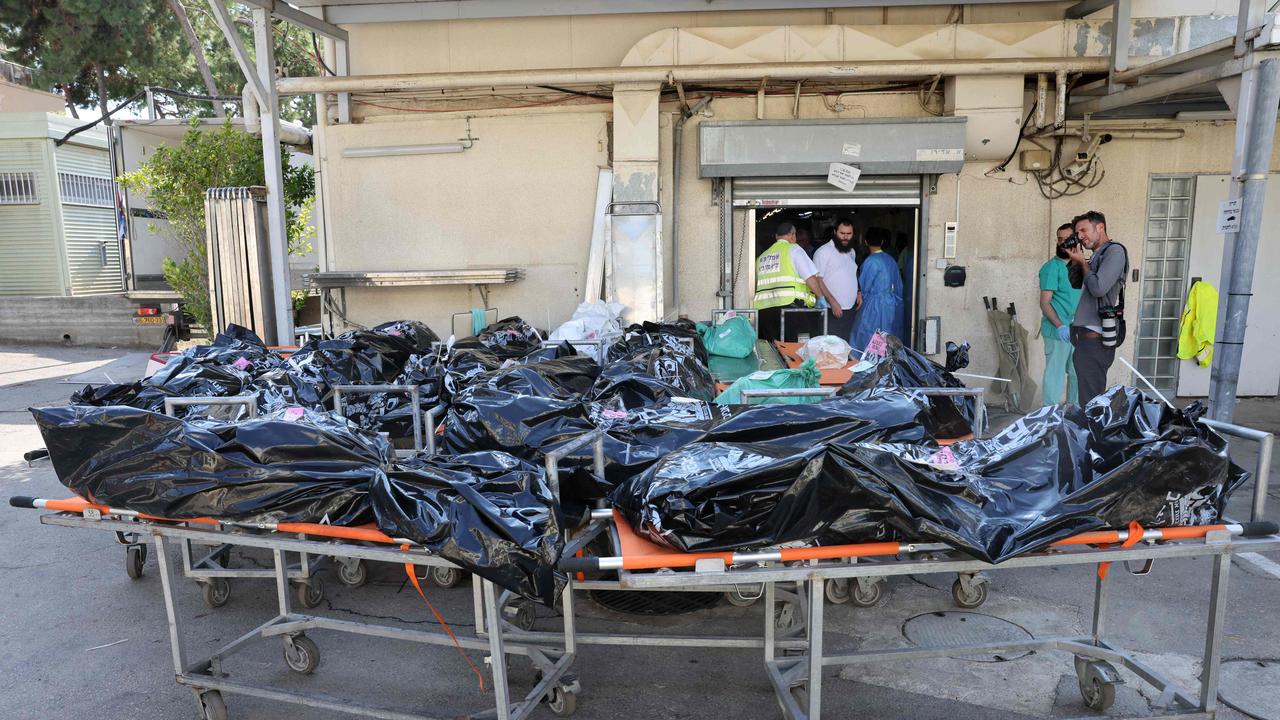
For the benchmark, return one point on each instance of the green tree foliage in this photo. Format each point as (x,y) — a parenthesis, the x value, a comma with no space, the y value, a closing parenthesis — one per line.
(83,47)
(175,179)
(139,43)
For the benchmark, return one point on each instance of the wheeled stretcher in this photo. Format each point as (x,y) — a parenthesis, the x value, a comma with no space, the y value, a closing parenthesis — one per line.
(207,677)
(806,573)
(797,678)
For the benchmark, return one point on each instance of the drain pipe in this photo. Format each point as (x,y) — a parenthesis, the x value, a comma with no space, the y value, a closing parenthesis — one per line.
(677,145)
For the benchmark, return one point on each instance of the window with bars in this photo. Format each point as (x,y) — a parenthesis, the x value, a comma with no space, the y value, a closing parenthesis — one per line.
(1168,246)
(18,188)
(79,189)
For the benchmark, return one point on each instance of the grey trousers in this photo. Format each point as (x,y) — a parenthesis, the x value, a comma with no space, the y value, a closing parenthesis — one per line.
(1092,360)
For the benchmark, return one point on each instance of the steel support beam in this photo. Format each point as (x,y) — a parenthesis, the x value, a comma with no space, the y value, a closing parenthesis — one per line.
(277,238)
(1261,136)
(1085,7)
(740,72)
(284,11)
(1244,112)
(1159,88)
(247,68)
(1120,21)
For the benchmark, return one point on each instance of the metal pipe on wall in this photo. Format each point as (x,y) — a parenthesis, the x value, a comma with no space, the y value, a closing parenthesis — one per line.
(849,71)
(726,243)
(1042,98)
(1262,126)
(677,146)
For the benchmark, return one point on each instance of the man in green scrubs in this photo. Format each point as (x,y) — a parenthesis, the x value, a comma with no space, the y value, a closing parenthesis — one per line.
(1058,302)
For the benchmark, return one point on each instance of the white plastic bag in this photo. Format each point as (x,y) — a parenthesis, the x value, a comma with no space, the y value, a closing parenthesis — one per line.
(828,351)
(590,321)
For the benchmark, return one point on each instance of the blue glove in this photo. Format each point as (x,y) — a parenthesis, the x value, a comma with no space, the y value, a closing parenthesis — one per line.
(1064,333)
(823,304)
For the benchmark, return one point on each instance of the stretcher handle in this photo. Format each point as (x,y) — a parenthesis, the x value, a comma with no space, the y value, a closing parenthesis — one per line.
(32,455)
(823,552)
(23,501)
(579,564)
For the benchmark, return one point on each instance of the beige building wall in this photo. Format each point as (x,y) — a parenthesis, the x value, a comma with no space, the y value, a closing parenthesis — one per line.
(603,40)
(16,98)
(521,196)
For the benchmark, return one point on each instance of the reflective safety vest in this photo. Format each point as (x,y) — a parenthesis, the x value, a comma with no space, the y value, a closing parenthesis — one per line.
(777,282)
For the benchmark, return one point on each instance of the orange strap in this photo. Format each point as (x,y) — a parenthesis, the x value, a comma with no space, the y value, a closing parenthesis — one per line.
(413,578)
(1135,536)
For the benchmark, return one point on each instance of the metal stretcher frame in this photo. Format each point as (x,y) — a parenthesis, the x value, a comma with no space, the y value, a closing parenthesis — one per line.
(207,680)
(211,569)
(509,607)
(797,679)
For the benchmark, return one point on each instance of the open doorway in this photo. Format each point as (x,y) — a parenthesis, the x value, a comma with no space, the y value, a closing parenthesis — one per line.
(898,225)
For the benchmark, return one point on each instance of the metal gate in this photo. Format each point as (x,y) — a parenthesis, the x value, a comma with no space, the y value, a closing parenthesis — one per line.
(1164,272)
(815,190)
(240,281)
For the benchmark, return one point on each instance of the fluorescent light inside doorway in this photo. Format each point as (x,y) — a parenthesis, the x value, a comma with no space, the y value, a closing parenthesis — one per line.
(393,150)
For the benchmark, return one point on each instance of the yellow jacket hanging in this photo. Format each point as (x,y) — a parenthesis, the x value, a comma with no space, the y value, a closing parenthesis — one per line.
(1199,322)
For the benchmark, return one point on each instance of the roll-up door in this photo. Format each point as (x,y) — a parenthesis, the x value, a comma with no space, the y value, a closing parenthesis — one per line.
(815,190)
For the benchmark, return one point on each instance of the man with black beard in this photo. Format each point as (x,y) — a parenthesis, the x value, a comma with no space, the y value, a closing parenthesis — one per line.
(839,269)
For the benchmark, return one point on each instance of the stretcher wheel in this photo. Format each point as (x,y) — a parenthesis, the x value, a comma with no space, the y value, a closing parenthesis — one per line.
(445,577)
(521,614)
(1097,695)
(866,594)
(967,598)
(135,557)
(353,574)
(216,592)
(562,702)
(837,591)
(301,654)
(309,593)
(738,598)
(1097,680)
(211,706)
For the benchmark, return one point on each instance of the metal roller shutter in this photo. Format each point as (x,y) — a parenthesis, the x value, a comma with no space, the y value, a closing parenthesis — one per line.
(814,190)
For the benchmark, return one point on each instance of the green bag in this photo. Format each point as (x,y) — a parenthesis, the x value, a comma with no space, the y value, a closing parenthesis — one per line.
(733,338)
(806,376)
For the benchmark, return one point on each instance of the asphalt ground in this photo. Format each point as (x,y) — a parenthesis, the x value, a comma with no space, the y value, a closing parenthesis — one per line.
(80,639)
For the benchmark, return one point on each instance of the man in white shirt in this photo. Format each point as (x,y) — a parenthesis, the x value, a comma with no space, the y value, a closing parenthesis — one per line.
(837,263)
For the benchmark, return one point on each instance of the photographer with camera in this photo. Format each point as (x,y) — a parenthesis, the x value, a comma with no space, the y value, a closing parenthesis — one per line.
(1098,327)
(1058,301)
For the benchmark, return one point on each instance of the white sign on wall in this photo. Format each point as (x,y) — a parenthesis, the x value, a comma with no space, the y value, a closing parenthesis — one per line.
(843,176)
(1229,216)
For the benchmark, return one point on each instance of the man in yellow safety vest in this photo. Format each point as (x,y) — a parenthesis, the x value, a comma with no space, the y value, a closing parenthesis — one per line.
(787,277)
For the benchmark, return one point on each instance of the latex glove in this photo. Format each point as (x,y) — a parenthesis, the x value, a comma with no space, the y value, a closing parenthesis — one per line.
(1064,333)
(822,303)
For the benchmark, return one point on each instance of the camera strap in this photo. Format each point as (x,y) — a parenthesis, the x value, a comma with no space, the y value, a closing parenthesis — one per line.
(1123,275)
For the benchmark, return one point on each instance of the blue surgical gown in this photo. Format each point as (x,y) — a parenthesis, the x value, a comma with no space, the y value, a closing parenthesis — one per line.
(882,307)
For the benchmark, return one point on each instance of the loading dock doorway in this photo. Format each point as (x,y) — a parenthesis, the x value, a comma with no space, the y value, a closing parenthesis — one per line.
(890,205)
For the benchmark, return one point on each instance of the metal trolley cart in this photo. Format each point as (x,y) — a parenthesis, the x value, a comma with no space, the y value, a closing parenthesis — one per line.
(797,679)
(515,619)
(206,677)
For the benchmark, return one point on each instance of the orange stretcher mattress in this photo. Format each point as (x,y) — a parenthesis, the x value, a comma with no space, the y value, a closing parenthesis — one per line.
(832,377)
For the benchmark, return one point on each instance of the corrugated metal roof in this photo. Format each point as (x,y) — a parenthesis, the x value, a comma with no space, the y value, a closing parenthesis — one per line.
(30,263)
